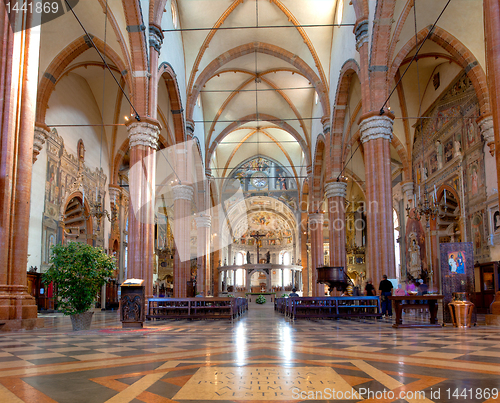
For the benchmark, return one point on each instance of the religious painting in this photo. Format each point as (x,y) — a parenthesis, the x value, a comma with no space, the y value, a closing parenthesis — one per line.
(456,261)
(477,228)
(434,162)
(457,255)
(448,150)
(496,221)
(470,132)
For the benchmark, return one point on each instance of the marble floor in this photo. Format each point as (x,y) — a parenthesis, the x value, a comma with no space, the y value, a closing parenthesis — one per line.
(261,357)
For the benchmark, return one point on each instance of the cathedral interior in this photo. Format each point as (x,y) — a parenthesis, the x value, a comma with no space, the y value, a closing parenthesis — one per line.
(230,148)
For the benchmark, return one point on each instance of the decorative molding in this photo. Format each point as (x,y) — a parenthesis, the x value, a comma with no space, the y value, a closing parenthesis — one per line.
(204,221)
(316,218)
(376,127)
(407,188)
(114,193)
(143,134)
(190,128)
(183,192)
(336,189)
(40,135)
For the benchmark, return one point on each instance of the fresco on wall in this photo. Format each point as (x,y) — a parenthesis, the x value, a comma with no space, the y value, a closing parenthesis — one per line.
(261,176)
(477,232)
(66,174)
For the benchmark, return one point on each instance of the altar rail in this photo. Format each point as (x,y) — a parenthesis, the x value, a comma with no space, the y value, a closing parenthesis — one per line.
(328,307)
(196,308)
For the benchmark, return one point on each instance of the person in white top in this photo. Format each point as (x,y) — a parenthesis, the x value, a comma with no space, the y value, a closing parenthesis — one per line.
(452,264)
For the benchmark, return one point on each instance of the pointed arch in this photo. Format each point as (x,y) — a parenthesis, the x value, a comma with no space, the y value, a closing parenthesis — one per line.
(167,74)
(58,66)
(460,53)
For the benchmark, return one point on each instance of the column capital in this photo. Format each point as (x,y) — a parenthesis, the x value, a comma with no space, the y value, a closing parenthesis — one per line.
(144,133)
(40,135)
(183,192)
(334,188)
(155,37)
(316,218)
(377,126)
(361,33)
(114,193)
(190,127)
(407,188)
(203,221)
(325,121)
(486,128)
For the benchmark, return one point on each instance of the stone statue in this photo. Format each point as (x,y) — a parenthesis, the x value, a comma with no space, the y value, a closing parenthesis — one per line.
(248,257)
(457,148)
(415,262)
(439,150)
(268,257)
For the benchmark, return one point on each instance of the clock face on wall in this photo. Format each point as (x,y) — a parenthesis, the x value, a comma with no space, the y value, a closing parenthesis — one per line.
(259,179)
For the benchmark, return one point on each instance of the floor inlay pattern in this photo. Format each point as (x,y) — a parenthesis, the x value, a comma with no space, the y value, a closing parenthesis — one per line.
(261,357)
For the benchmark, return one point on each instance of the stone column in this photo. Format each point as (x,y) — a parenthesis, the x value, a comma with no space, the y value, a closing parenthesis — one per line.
(316,231)
(18,88)
(492,38)
(183,196)
(303,254)
(335,193)
(155,42)
(203,224)
(408,200)
(143,138)
(41,134)
(376,135)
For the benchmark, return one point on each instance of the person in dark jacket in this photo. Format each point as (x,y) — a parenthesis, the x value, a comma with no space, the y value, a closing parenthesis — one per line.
(385,289)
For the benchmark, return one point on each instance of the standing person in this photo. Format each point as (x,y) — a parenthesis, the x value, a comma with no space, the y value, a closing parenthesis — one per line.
(369,288)
(385,289)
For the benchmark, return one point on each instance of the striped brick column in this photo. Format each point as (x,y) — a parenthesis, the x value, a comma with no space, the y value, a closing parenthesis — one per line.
(18,88)
(317,257)
(492,37)
(335,193)
(376,135)
(183,196)
(143,140)
(203,224)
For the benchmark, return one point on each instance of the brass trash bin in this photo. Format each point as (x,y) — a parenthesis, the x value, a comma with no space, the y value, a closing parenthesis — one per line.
(461,310)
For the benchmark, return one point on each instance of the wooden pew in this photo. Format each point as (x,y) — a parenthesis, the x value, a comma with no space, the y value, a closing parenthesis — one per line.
(196,308)
(332,307)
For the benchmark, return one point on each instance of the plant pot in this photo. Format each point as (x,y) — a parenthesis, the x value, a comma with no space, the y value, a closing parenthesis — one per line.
(81,321)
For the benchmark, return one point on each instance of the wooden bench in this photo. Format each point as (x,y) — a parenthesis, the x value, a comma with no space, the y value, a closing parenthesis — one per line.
(196,308)
(332,307)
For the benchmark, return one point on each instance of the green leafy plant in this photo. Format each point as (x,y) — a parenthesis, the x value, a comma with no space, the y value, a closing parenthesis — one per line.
(284,296)
(79,271)
(261,299)
(231,296)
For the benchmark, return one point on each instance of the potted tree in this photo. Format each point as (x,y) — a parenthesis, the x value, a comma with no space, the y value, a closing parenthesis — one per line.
(78,271)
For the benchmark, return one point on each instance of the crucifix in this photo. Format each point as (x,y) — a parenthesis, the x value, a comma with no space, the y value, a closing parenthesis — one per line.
(257,237)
